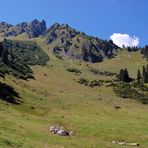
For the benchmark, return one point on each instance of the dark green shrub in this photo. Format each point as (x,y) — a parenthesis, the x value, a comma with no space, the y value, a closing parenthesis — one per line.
(92,83)
(26,52)
(102,73)
(74,70)
(83,81)
(126,91)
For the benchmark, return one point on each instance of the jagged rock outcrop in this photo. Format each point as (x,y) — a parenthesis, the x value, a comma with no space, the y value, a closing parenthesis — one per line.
(4,27)
(36,28)
(63,32)
(71,43)
(33,29)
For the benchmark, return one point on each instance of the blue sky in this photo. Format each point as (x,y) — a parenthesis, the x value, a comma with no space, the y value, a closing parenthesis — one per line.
(99,18)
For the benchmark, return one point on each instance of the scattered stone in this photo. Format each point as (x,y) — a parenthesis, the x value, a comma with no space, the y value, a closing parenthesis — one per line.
(125,143)
(59,131)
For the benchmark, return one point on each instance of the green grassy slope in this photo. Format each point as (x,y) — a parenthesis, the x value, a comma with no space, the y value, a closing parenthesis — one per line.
(55,98)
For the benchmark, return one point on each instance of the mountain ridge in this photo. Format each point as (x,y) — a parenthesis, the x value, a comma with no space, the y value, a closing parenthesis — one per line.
(64,41)
(33,29)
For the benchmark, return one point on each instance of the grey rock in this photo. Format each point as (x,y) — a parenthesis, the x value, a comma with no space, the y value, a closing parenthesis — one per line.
(33,29)
(36,28)
(73,44)
(4,27)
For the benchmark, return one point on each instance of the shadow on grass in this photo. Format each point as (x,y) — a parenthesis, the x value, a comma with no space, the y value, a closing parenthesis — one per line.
(7,93)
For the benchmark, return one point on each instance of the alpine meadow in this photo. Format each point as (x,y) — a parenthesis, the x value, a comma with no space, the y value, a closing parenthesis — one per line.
(63,88)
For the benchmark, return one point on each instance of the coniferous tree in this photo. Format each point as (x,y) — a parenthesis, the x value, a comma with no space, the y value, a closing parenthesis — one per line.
(147,68)
(121,75)
(126,75)
(144,74)
(138,76)
(144,51)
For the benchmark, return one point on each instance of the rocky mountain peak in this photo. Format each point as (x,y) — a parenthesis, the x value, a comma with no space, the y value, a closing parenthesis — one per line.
(36,28)
(32,29)
(70,43)
(4,26)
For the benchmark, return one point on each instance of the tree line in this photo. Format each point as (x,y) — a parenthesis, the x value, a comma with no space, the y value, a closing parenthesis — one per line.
(144,51)
(142,77)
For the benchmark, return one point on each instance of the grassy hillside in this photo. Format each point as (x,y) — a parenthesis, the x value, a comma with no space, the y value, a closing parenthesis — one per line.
(55,97)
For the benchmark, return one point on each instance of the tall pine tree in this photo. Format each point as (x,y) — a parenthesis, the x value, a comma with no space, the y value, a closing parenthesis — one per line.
(147,68)
(138,76)
(124,76)
(144,75)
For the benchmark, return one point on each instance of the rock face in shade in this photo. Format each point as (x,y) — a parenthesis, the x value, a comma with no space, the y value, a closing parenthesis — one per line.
(36,28)
(33,29)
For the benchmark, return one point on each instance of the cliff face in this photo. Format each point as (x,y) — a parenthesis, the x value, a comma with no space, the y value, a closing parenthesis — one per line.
(71,43)
(33,29)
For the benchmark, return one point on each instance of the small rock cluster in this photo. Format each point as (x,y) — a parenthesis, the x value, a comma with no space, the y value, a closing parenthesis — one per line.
(59,131)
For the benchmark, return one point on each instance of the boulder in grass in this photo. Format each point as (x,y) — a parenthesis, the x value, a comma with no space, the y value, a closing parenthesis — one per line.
(59,131)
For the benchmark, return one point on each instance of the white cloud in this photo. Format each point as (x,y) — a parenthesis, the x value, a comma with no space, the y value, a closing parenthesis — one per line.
(124,39)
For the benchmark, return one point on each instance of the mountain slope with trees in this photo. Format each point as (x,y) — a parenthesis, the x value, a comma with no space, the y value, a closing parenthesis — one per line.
(86,98)
(16,56)
(64,41)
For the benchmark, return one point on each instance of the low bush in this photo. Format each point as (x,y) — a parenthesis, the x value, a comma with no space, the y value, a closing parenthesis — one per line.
(74,70)
(102,73)
(92,83)
(125,90)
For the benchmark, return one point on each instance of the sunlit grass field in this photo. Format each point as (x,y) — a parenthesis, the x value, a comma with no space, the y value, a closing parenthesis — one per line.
(55,97)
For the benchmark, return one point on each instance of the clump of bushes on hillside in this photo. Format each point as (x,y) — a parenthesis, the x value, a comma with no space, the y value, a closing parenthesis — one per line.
(74,70)
(127,87)
(26,52)
(16,69)
(125,90)
(102,73)
(92,83)
(83,81)
(140,86)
